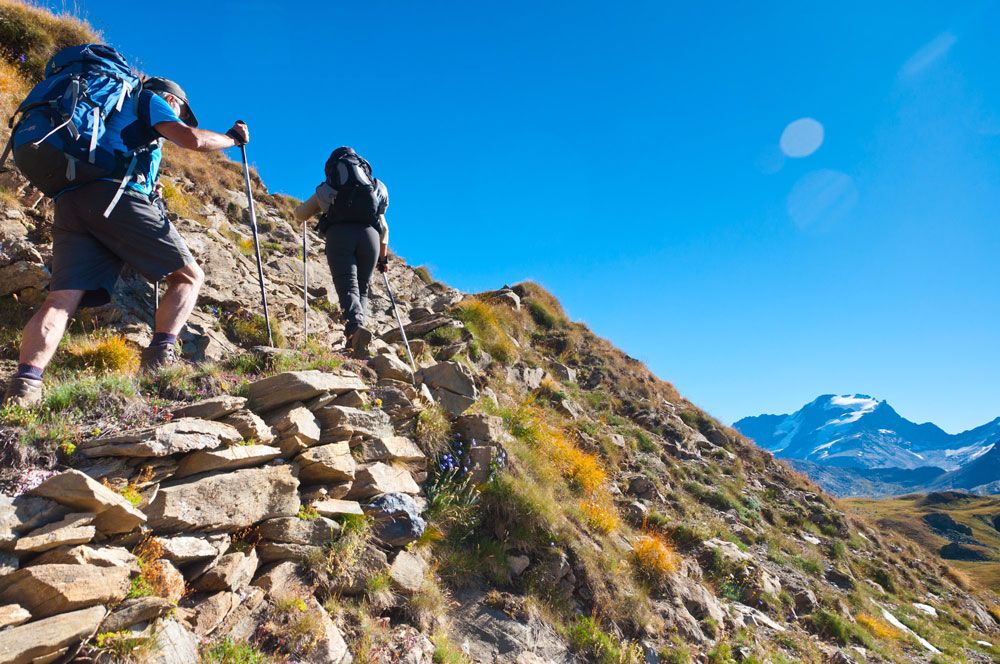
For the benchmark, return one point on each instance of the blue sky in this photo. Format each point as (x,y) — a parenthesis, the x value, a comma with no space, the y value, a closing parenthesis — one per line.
(627,156)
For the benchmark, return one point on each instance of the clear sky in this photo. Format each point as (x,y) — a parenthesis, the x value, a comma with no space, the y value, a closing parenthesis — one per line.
(629,157)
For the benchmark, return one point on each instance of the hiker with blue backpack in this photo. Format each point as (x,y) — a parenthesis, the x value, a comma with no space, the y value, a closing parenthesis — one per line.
(90,136)
(351,203)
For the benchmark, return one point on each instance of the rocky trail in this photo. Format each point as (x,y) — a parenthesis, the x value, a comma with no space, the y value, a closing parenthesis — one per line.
(529,495)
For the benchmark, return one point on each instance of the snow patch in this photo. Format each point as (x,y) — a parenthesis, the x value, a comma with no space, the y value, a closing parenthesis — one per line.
(895,622)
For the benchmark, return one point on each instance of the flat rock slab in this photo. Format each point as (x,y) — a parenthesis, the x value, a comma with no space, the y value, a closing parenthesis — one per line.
(184,435)
(451,376)
(281,551)
(282,577)
(343,423)
(251,426)
(382,478)
(389,366)
(292,386)
(173,645)
(226,502)
(37,640)
(233,572)
(23,514)
(47,590)
(293,530)
(188,549)
(110,556)
(78,491)
(392,448)
(327,463)
(211,611)
(213,408)
(135,611)
(13,615)
(295,426)
(228,458)
(408,572)
(73,529)
(334,508)
(454,404)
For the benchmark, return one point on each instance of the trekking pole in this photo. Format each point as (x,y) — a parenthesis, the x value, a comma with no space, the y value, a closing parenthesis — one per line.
(305,284)
(399,321)
(156,297)
(256,242)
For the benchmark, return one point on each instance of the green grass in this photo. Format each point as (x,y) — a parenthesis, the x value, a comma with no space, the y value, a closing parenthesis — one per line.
(831,626)
(249,329)
(86,392)
(233,652)
(586,637)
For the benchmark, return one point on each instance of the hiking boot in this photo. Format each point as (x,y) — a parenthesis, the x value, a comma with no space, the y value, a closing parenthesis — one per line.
(23,392)
(359,339)
(157,357)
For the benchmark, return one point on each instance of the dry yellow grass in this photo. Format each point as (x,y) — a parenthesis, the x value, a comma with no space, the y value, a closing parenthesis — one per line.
(655,557)
(106,354)
(601,515)
(879,628)
(489,325)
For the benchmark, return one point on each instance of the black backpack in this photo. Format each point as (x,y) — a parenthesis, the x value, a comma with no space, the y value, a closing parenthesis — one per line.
(357,200)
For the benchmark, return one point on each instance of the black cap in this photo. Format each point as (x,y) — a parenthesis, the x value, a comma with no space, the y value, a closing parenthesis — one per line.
(158,84)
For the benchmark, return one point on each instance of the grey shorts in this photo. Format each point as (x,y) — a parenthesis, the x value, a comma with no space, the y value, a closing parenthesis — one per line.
(88,251)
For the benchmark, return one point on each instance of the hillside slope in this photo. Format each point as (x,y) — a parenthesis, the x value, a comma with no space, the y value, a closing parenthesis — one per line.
(961,528)
(531,494)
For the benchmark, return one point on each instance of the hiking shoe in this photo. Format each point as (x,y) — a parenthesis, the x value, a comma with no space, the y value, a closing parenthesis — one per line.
(157,357)
(23,392)
(359,340)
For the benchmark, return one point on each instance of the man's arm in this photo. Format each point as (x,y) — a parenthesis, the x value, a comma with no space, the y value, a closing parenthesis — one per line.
(201,140)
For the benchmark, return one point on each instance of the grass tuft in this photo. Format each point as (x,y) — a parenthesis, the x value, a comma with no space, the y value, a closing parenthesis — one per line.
(104,354)
(654,557)
(488,325)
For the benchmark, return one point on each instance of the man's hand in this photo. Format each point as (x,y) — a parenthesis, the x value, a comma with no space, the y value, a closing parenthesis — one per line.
(158,189)
(239,132)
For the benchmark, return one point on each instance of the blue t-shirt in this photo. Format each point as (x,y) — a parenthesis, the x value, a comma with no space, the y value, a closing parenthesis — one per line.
(133,127)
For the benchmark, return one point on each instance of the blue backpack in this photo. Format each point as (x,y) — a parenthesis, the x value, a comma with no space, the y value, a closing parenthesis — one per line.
(60,139)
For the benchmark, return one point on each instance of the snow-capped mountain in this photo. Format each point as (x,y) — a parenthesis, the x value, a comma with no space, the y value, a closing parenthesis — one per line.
(857,432)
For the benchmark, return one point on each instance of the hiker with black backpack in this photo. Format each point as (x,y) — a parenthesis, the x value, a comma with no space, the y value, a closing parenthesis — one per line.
(90,136)
(351,203)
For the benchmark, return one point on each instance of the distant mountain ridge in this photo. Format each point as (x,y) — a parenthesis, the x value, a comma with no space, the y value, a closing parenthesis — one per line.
(858,445)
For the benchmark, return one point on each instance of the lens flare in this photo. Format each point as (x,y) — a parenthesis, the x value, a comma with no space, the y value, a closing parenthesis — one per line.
(802,137)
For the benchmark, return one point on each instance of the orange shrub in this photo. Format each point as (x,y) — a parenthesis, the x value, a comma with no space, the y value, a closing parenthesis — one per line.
(655,557)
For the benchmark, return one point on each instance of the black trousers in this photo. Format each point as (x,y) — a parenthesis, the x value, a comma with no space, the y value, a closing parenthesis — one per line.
(352,251)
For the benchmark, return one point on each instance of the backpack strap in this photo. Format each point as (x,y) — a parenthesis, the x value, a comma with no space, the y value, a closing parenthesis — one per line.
(121,187)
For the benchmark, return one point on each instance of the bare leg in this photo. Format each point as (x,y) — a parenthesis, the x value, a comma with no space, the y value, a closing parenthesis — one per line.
(179,299)
(43,332)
